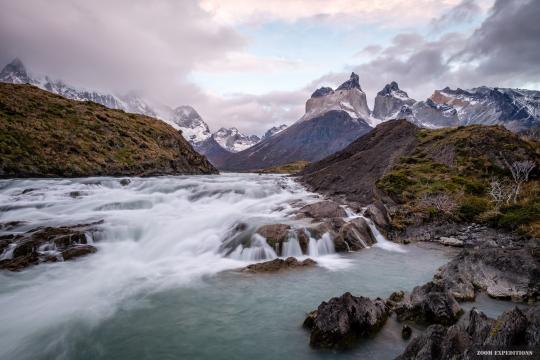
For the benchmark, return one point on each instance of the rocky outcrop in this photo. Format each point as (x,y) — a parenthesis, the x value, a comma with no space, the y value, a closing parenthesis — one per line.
(277,234)
(278,265)
(323,210)
(389,102)
(353,172)
(349,235)
(46,245)
(341,321)
(41,128)
(513,330)
(503,273)
(430,303)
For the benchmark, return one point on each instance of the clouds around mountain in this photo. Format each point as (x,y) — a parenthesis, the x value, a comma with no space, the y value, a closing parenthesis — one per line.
(155,48)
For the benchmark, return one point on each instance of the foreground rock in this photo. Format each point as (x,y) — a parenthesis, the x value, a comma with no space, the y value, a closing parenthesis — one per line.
(322,210)
(513,330)
(349,235)
(46,245)
(430,303)
(341,321)
(278,265)
(512,274)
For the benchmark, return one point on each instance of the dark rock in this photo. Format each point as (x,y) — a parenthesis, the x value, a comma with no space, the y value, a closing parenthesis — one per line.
(341,321)
(275,235)
(377,213)
(532,334)
(502,273)
(278,265)
(78,251)
(430,303)
(356,234)
(406,332)
(508,330)
(125,182)
(426,346)
(323,210)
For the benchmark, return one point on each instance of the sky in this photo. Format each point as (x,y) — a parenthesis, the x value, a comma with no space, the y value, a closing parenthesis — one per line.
(253,64)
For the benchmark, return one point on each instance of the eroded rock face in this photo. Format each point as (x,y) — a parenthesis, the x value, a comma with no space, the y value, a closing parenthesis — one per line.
(502,273)
(323,210)
(278,265)
(430,303)
(339,322)
(513,329)
(45,245)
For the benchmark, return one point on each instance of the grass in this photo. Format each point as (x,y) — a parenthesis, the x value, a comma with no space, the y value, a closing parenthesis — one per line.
(42,134)
(459,164)
(290,168)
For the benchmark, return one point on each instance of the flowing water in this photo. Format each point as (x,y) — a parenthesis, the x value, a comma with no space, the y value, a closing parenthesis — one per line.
(159,285)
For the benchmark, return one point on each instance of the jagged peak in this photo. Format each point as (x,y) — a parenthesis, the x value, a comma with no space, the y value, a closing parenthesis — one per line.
(15,69)
(322,91)
(389,89)
(352,83)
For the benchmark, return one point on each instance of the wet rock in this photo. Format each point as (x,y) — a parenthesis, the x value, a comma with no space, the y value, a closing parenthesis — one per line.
(275,234)
(278,265)
(78,251)
(36,245)
(323,210)
(125,182)
(341,321)
(512,330)
(378,215)
(350,235)
(406,332)
(503,273)
(430,303)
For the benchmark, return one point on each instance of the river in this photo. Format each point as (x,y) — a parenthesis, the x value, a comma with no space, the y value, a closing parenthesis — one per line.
(160,285)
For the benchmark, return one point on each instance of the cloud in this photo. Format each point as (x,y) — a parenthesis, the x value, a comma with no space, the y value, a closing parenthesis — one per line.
(248,11)
(115,45)
(464,12)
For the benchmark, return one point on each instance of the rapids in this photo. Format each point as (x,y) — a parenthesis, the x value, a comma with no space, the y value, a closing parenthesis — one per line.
(156,288)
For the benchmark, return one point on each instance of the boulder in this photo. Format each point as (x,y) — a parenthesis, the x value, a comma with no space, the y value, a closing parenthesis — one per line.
(377,213)
(78,251)
(275,235)
(341,321)
(503,273)
(350,235)
(430,303)
(451,241)
(278,265)
(406,332)
(322,210)
(512,330)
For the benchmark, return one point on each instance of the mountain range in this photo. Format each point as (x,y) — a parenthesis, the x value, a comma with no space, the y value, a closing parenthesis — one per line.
(332,118)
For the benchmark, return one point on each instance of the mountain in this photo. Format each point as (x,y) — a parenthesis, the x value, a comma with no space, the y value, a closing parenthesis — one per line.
(516,109)
(46,135)
(333,119)
(193,127)
(233,140)
(420,175)
(274,130)
(389,102)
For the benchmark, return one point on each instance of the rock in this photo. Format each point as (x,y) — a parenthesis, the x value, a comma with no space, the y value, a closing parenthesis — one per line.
(406,332)
(378,215)
(512,330)
(341,321)
(78,251)
(279,264)
(451,241)
(430,303)
(356,235)
(35,246)
(503,273)
(275,235)
(323,210)
(125,182)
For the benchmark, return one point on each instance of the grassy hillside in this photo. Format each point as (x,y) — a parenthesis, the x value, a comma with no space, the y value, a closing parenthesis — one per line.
(451,172)
(43,135)
(290,168)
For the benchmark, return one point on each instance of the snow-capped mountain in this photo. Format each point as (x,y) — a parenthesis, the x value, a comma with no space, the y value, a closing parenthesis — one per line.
(193,127)
(348,97)
(516,109)
(389,101)
(274,130)
(333,119)
(233,140)
(15,72)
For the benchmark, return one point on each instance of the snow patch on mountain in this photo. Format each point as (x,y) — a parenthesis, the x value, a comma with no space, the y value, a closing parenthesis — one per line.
(193,127)
(233,140)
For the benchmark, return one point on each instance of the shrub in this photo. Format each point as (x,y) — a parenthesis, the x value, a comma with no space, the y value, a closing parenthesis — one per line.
(471,207)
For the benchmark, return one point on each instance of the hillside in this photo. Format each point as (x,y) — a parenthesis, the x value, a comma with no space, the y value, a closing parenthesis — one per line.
(424,175)
(46,135)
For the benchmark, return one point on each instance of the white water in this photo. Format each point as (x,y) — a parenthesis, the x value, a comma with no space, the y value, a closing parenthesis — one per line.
(158,234)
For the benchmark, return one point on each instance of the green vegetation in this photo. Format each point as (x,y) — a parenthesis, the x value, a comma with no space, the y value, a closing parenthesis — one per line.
(43,135)
(290,168)
(449,174)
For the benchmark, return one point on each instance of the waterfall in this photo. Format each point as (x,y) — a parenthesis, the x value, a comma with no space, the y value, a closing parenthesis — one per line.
(291,247)
(381,240)
(258,250)
(322,246)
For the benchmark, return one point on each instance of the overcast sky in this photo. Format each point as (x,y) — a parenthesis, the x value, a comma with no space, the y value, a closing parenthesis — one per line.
(252,64)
